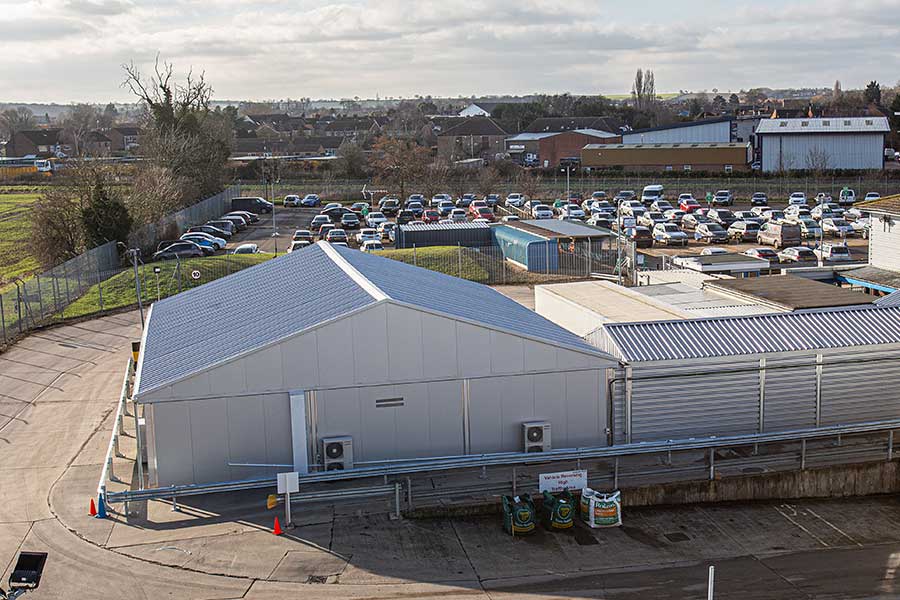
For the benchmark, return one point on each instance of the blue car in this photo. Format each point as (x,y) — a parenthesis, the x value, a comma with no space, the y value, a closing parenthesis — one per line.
(310,200)
(207,246)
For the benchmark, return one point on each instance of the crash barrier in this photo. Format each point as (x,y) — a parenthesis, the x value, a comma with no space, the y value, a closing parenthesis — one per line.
(112,451)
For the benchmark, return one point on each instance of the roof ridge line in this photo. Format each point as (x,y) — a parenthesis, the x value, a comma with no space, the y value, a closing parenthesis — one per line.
(351,271)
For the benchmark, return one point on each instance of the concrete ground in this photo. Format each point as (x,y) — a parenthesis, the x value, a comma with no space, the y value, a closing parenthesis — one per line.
(58,390)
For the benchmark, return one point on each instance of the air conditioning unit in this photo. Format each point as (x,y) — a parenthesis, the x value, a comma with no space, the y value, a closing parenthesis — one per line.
(536,436)
(337,453)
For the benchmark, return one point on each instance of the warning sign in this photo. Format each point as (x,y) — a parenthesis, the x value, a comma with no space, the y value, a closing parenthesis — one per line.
(195,274)
(562,481)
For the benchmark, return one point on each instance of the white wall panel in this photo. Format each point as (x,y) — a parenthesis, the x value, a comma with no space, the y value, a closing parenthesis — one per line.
(246,433)
(884,245)
(412,433)
(228,379)
(278,429)
(585,418)
(379,431)
(445,417)
(263,370)
(369,347)
(551,404)
(405,343)
(300,362)
(172,428)
(334,345)
(439,346)
(474,350)
(209,442)
(485,414)
(516,406)
(507,353)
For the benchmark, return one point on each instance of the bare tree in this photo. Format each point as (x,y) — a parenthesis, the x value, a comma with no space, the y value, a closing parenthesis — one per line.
(155,192)
(488,180)
(78,122)
(56,230)
(530,184)
(14,120)
(643,90)
(817,159)
(399,163)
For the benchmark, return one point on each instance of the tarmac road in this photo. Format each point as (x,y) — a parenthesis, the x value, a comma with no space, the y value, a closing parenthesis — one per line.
(57,394)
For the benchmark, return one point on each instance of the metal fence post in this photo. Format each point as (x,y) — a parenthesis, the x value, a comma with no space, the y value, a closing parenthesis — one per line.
(712,464)
(19,306)
(178,268)
(415,256)
(802,454)
(459,257)
(890,454)
(54,285)
(66,279)
(37,278)
(3,319)
(100,287)
(616,474)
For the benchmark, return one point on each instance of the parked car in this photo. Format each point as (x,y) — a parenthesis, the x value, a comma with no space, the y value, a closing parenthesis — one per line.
(492,200)
(206,246)
(240,224)
(318,221)
(374,218)
(837,228)
(661,206)
(872,196)
(572,211)
(773,215)
(350,221)
(713,251)
(669,234)
(862,227)
(465,200)
(417,209)
(311,200)
(253,204)
(292,200)
(371,246)
(431,216)
(710,233)
(796,211)
(822,211)
(743,231)
(723,198)
(797,198)
(690,221)
(625,195)
(298,245)
(359,207)
(438,198)
(515,199)
(834,253)
(797,254)
(688,206)
(847,197)
(302,234)
(216,241)
(542,211)
(336,235)
(631,208)
(823,198)
(458,215)
(182,249)
(809,228)
(445,207)
(248,216)
(598,195)
(600,207)
(485,213)
(651,194)
(336,212)
(366,234)
(600,220)
(332,205)
(407,216)
(763,253)
(641,236)
(324,229)
(384,229)
(246,249)
(211,230)
(224,225)
(651,218)
(674,216)
(722,216)
(759,199)
(474,206)
(779,234)
(390,206)
(509,218)
(746,215)
(415,198)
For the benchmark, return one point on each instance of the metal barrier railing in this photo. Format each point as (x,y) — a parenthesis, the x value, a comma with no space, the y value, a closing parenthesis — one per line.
(513,459)
(112,451)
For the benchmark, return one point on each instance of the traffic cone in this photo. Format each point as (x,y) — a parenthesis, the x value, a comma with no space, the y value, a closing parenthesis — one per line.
(93,510)
(101,507)
(277,529)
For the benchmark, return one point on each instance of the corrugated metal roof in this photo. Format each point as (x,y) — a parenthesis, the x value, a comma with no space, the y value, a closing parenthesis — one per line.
(458,298)
(887,204)
(760,334)
(566,228)
(667,145)
(253,308)
(213,322)
(824,125)
(892,299)
(530,137)
(443,226)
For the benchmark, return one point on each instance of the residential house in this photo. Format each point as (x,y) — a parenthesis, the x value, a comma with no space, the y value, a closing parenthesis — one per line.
(476,137)
(124,138)
(280,122)
(96,143)
(43,143)
(559,124)
(355,128)
(485,108)
(316,146)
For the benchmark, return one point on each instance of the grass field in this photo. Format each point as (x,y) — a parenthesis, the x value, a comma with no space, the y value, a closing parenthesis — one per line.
(443,259)
(119,291)
(15,228)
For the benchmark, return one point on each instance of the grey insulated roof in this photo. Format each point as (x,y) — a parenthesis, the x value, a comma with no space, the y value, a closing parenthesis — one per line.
(825,125)
(253,308)
(758,334)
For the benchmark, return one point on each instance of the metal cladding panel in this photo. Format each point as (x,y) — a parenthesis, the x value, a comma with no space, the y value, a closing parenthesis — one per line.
(214,322)
(172,443)
(884,246)
(854,392)
(618,404)
(702,132)
(458,298)
(444,234)
(755,334)
(892,299)
(790,394)
(838,151)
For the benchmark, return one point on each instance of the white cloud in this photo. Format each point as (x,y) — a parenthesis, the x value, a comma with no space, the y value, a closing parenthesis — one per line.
(72,49)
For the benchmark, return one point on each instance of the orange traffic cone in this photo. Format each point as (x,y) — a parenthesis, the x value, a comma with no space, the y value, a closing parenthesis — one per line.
(277,529)
(93,510)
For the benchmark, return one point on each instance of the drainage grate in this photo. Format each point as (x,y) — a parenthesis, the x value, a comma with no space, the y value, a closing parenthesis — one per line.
(317,579)
(677,537)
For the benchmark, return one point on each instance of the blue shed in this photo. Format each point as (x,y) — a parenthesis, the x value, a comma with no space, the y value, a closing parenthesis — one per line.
(528,250)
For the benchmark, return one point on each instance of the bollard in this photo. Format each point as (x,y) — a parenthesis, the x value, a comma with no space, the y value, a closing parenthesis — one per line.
(109,464)
(175,504)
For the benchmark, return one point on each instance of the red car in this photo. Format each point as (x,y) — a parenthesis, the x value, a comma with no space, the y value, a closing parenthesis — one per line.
(688,206)
(431,216)
(475,206)
(483,212)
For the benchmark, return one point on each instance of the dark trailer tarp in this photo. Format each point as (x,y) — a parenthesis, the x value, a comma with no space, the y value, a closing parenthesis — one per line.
(443,234)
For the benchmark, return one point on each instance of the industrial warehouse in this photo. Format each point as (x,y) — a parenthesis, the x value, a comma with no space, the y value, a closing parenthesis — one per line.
(727,157)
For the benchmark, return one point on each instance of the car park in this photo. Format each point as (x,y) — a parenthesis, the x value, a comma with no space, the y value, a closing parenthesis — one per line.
(246,249)
(298,245)
(253,204)
(834,253)
(797,254)
(336,235)
(688,205)
(779,234)
(371,246)
(723,198)
(542,211)
(211,230)
(809,228)
(641,236)
(743,231)
(710,233)
(837,227)
(389,206)
(797,198)
(366,234)
(669,234)
(181,249)
(661,206)
(406,216)
(459,215)
(759,199)
(515,200)
(374,218)
(722,216)
(847,197)
(437,199)
(763,253)
(216,241)
(651,218)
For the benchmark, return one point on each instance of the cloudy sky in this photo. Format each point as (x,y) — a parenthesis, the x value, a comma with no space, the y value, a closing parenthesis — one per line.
(72,50)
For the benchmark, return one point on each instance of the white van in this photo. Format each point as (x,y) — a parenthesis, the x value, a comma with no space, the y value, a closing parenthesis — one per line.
(651,194)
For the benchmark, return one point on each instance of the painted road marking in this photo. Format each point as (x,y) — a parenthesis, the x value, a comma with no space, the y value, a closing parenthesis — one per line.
(799,526)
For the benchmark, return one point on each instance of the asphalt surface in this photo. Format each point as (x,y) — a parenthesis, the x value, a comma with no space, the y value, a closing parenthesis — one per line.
(58,390)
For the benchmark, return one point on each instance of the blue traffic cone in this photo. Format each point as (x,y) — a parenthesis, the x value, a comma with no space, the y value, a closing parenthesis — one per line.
(101,507)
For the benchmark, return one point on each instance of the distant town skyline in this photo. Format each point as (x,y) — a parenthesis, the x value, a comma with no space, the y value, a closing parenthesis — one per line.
(72,50)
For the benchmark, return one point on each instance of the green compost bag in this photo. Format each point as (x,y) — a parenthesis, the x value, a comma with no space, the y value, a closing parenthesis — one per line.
(518,514)
(559,511)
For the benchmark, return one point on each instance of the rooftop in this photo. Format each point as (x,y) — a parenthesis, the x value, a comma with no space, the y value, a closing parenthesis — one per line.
(789,292)
(475,126)
(887,205)
(681,124)
(554,228)
(759,334)
(884,278)
(742,145)
(824,125)
(529,136)
(184,335)
(558,124)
